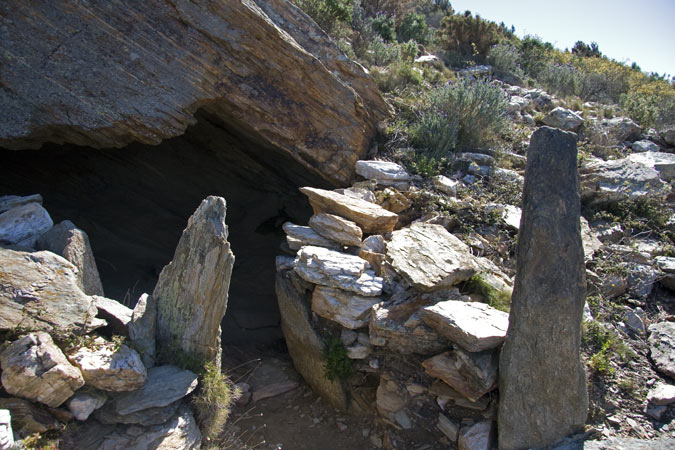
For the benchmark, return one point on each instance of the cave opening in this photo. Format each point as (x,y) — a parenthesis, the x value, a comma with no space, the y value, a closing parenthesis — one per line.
(134,203)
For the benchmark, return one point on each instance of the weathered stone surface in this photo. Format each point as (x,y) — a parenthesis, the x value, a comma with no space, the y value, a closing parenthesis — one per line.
(349,310)
(589,241)
(39,291)
(335,228)
(471,374)
(33,367)
(449,428)
(541,355)
(28,418)
(116,314)
(611,181)
(179,433)
(473,326)
(446,185)
(429,257)
(164,385)
(662,347)
(480,159)
(298,236)
(668,135)
(645,146)
(390,397)
(476,437)
(563,118)
(400,328)
(142,328)
(641,279)
(6,433)
(620,128)
(106,367)
(305,345)
(326,267)
(266,65)
(191,292)
(24,224)
(67,240)
(149,416)
(82,404)
(384,172)
(8,202)
(393,200)
(511,214)
(370,217)
(663,163)
(661,394)
(451,400)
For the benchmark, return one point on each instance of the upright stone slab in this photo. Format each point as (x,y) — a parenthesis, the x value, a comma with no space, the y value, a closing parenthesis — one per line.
(191,292)
(542,386)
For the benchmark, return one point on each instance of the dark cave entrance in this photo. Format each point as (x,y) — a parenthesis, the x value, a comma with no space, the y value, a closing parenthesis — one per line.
(134,202)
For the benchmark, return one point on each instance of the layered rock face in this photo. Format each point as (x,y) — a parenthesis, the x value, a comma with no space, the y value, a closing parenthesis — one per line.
(541,355)
(106,78)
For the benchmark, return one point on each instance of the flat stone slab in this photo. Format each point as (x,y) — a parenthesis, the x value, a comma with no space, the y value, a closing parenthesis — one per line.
(370,217)
(8,202)
(336,228)
(661,394)
(473,326)
(326,267)
(662,347)
(298,236)
(663,163)
(429,257)
(24,224)
(384,172)
(471,374)
(349,310)
(164,385)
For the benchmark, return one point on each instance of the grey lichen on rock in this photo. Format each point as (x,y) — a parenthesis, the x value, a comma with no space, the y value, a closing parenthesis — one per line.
(542,385)
(191,292)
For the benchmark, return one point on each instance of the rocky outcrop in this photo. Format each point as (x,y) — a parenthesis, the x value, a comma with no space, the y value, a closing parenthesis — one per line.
(67,240)
(191,292)
(36,369)
(40,292)
(541,355)
(107,79)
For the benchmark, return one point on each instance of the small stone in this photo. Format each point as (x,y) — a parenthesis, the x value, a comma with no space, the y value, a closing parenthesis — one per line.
(471,374)
(392,200)
(634,322)
(299,236)
(82,404)
(376,244)
(337,229)
(644,146)
(390,397)
(23,225)
(358,351)
(656,412)
(348,337)
(403,419)
(110,367)
(448,427)
(661,395)
(415,389)
(478,436)
(446,185)
(384,172)
(472,326)
(33,367)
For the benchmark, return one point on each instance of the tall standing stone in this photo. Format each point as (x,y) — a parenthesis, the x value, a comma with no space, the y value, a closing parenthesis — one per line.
(541,381)
(191,292)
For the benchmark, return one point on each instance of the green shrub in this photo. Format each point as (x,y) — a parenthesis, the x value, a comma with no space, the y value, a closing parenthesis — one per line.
(500,300)
(380,53)
(561,79)
(383,25)
(436,133)
(213,400)
(414,27)
(534,55)
(504,60)
(337,365)
(468,35)
(604,346)
(331,15)
(590,51)
(397,76)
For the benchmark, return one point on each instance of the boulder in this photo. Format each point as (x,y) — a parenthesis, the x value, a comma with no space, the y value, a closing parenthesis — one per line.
(298,236)
(644,146)
(662,347)
(23,225)
(109,366)
(191,292)
(326,267)
(349,310)
(473,326)
(27,418)
(305,345)
(116,314)
(82,404)
(33,367)
(8,202)
(39,291)
(429,257)
(563,118)
(142,328)
(478,436)
(67,240)
(384,172)
(663,163)
(370,217)
(337,229)
(164,385)
(471,374)
(265,64)
(541,355)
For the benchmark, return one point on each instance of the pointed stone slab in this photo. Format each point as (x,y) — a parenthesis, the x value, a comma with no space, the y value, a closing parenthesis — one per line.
(473,326)
(429,257)
(370,217)
(542,384)
(298,236)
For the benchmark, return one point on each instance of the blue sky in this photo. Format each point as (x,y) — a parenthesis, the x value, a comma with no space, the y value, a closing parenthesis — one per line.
(627,31)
